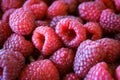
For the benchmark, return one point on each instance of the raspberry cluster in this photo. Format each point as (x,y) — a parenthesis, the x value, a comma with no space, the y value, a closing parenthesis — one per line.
(60,40)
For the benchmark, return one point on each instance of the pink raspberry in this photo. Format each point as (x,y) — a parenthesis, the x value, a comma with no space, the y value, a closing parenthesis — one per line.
(63,60)
(8,4)
(118,73)
(94,30)
(71,76)
(56,19)
(98,72)
(5,32)
(112,49)
(88,54)
(38,7)
(40,70)
(71,32)
(90,11)
(21,21)
(57,8)
(18,43)
(7,14)
(110,21)
(46,40)
(11,64)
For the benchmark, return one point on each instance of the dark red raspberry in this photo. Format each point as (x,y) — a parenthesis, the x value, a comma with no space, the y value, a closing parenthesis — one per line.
(118,73)
(88,54)
(40,70)
(57,8)
(117,4)
(11,64)
(98,72)
(71,32)
(56,19)
(94,30)
(71,76)
(46,40)
(18,43)
(90,11)
(112,48)
(5,32)
(8,4)
(110,21)
(38,7)
(107,3)
(22,21)
(63,60)
(7,14)
(72,5)
(42,23)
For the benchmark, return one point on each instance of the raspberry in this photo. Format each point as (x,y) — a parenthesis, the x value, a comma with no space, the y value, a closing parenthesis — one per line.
(56,19)
(57,8)
(72,5)
(8,4)
(38,7)
(40,70)
(71,76)
(94,30)
(18,43)
(90,11)
(7,14)
(112,48)
(107,3)
(117,4)
(42,23)
(5,32)
(88,54)
(98,72)
(11,64)
(46,40)
(71,32)
(63,60)
(118,73)
(109,21)
(21,21)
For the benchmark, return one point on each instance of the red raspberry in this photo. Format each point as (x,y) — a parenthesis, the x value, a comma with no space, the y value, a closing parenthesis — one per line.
(99,72)
(8,4)
(118,73)
(46,40)
(71,76)
(56,19)
(117,4)
(90,11)
(72,5)
(63,60)
(42,23)
(109,21)
(18,43)
(71,32)
(40,70)
(57,8)
(94,30)
(107,3)
(38,7)
(5,32)
(112,48)
(7,14)
(11,64)
(21,21)
(88,54)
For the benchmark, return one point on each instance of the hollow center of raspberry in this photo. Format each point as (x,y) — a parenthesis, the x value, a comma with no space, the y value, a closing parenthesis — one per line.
(70,34)
(1,71)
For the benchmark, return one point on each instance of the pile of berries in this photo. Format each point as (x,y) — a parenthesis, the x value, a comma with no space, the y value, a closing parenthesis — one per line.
(60,40)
